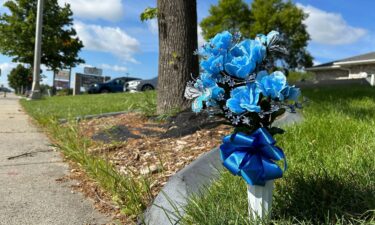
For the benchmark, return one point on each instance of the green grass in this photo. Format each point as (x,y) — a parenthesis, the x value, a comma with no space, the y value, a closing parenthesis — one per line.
(331,167)
(131,195)
(68,107)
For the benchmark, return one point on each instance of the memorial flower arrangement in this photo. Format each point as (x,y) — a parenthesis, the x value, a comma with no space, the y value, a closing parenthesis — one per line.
(239,80)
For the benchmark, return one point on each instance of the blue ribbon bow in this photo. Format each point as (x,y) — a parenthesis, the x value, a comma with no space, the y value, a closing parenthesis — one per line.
(252,156)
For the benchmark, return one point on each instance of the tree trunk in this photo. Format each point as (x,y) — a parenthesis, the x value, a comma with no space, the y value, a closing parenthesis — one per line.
(177,20)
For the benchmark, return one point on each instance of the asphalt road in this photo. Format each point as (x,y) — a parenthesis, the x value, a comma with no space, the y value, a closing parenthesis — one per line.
(29,192)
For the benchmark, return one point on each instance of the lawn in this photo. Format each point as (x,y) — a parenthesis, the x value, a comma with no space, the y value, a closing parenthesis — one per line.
(68,107)
(331,167)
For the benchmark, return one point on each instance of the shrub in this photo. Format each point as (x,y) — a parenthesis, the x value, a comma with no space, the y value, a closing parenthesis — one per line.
(64,92)
(295,76)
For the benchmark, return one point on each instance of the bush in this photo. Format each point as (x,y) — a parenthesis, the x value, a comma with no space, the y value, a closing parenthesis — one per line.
(44,89)
(64,92)
(295,76)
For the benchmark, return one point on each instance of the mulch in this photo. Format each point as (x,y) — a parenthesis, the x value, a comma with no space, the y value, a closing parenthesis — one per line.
(144,146)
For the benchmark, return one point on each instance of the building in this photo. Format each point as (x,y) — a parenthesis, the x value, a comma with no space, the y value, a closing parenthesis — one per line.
(360,66)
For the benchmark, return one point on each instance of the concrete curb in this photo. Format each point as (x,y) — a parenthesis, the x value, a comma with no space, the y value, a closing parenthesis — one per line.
(288,119)
(191,179)
(169,204)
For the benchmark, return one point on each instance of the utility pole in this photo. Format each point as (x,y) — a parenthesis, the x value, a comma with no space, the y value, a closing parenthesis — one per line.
(35,91)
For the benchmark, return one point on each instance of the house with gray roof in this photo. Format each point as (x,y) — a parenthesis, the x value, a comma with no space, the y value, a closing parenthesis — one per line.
(360,66)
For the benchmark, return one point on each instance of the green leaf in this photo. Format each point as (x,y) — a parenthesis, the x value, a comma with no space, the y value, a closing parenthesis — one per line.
(149,13)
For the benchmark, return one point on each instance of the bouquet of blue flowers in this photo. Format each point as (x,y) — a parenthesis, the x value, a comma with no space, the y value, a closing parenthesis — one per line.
(239,81)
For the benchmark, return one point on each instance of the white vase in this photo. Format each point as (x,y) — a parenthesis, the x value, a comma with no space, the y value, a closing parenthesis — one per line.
(260,201)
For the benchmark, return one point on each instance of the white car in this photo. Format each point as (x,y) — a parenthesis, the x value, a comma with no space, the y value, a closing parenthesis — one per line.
(141,85)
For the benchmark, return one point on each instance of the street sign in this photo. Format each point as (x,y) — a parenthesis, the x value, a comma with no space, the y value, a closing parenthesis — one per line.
(60,84)
(93,71)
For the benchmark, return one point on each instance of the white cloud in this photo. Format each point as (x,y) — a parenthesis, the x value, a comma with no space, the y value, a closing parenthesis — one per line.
(83,65)
(108,39)
(95,9)
(6,68)
(330,28)
(105,66)
(115,68)
(316,62)
(153,26)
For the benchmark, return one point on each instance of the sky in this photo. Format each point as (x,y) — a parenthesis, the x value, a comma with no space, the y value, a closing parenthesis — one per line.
(117,41)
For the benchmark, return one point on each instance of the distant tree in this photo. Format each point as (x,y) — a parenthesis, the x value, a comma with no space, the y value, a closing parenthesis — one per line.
(231,15)
(286,18)
(20,78)
(60,44)
(262,17)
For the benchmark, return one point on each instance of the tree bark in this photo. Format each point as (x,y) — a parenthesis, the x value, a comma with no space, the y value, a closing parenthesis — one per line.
(177,21)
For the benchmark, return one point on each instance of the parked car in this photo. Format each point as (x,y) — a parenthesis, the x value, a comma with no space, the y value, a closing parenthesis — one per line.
(142,85)
(4,89)
(111,86)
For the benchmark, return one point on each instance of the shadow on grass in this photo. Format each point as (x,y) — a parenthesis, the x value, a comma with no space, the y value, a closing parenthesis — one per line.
(321,198)
(357,103)
(339,92)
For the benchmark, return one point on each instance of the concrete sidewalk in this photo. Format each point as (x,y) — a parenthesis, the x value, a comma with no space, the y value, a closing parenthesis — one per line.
(29,193)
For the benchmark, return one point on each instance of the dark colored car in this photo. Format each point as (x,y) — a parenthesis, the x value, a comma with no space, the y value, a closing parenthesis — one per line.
(4,89)
(111,86)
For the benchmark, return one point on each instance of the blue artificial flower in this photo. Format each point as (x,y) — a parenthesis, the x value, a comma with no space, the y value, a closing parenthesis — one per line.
(244,98)
(258,51)
(207,80)
(209,92)
(291,93)
(261,38)
(272,85)
(240,67)
(244,57)
(213,64)
(209,95)
(216,92)
(219,44)
(197,105)
(261,74)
